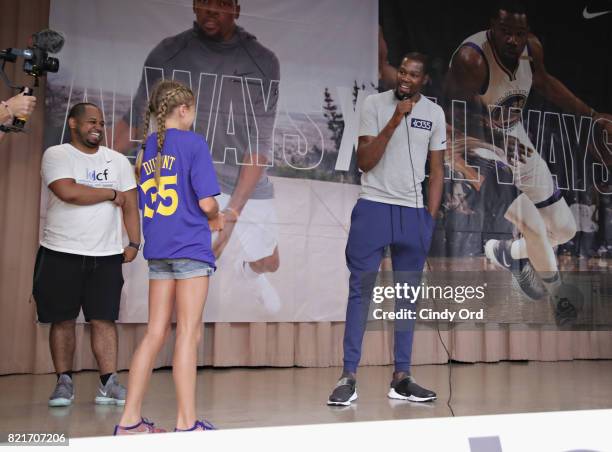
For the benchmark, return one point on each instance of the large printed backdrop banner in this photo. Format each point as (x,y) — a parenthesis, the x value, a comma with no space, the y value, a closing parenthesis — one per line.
(252,101)
(286,107)
(546,82)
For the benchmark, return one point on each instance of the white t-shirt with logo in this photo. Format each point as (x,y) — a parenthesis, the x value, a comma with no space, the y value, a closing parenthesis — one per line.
(94,230)
(391,181)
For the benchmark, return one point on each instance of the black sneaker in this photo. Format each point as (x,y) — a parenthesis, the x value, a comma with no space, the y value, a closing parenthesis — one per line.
(565,312)
(529,282)
(567,304)
(524,275)
(344,392)
(407,389)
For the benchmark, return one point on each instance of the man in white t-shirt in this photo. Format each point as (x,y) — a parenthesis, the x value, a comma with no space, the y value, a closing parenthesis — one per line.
(91,189)
(399,130)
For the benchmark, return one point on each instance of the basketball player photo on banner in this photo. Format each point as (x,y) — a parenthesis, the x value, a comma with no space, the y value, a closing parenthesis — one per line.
(279,118)
(527,97)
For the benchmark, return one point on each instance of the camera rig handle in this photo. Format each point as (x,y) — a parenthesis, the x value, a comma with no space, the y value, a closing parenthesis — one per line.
(18,123)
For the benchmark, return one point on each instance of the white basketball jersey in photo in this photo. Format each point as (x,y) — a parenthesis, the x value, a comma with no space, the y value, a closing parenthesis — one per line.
(504,88)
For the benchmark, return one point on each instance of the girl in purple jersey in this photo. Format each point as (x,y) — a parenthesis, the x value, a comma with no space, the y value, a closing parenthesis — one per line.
(177,185)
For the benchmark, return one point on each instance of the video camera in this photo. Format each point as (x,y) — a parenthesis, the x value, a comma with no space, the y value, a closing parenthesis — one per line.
(36,63)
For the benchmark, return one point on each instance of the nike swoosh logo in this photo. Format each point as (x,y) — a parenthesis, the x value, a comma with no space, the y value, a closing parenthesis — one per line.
(108,161)
(587,15)
(103,393)
(506,264)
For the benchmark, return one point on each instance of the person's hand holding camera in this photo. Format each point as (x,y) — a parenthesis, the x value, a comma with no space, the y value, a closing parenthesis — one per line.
(19,106)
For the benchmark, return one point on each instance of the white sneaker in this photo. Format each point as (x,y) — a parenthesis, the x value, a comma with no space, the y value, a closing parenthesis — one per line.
(264,292)
(267,294)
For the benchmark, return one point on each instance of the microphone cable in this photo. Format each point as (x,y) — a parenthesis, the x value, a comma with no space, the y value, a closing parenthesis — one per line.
(448,354)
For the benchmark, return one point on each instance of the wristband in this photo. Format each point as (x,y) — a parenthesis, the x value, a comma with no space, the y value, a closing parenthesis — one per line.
(234,211)
(114,194)
(134,245)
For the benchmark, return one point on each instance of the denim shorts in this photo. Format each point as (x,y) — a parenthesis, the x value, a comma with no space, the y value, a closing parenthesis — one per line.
(178,269)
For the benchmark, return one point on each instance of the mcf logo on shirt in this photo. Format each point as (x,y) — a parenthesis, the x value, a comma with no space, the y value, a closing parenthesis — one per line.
(420,124)
(94,175)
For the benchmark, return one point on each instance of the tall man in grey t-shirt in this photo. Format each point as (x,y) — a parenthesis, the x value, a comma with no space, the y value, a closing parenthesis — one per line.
(235,80)
(400,129)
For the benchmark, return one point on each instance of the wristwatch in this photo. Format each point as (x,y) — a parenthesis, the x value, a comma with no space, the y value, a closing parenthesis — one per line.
(138,246)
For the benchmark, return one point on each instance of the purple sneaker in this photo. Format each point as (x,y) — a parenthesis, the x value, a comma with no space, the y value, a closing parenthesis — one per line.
(144,426)
(199,426)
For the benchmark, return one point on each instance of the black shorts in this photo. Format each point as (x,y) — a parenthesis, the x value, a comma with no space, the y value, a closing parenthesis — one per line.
(63,283)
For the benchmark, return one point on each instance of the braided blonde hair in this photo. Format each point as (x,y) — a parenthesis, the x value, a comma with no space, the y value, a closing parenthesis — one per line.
(165,97)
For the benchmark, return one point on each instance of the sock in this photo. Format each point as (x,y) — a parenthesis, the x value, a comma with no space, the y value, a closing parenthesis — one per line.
(552,281)
(518,249)
(348,374)
(104,378)
(399,375)
(69,373)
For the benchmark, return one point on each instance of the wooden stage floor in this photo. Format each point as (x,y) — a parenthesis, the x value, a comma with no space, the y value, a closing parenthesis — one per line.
(239,397)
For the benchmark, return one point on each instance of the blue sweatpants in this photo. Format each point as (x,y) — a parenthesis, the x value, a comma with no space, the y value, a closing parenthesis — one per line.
(375,225)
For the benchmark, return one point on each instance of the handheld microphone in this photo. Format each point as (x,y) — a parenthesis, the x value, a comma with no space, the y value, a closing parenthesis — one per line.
(403,97)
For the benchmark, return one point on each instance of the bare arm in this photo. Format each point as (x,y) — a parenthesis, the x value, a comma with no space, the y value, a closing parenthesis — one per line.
(210,207)
(464,80)
(386,73)
(122,142)
(436,181)
(19,105)
(81,195)
(254,164)
(551,87)
(250,173)
(371,149)
(5,116)
(131,220)
(467,75)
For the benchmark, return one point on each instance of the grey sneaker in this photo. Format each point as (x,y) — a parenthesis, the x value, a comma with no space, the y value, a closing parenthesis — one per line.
(408,389)
(63,394)
(344,392)
(112,393)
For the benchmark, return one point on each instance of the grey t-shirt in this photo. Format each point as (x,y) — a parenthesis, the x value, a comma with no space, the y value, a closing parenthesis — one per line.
(391,180)
(236,86)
